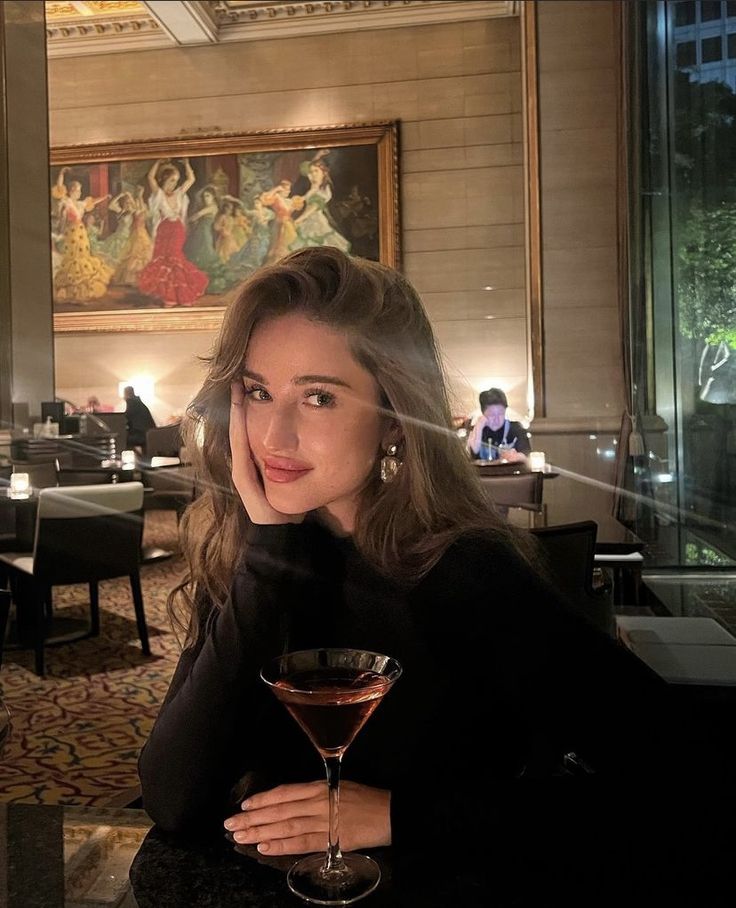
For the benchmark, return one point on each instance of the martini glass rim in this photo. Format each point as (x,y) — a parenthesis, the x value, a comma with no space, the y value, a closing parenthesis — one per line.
(390,676)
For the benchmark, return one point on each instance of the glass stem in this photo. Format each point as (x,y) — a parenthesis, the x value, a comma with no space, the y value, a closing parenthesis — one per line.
(333,862)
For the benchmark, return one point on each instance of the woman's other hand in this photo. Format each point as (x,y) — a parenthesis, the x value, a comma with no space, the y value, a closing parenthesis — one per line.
(294,819)
(244,471)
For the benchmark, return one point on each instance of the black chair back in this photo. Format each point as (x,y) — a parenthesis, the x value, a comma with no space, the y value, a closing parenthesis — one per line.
(88,533)
(569,550)
(163,441)
(513,491)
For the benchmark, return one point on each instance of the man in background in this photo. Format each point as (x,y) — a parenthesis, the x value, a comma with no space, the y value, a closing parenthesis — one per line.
(494,436)
(138,418)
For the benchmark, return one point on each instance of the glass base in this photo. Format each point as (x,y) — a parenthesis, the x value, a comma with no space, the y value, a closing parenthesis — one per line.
(360,878)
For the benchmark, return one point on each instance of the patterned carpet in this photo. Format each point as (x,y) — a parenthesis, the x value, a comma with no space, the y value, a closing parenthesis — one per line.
(76,734)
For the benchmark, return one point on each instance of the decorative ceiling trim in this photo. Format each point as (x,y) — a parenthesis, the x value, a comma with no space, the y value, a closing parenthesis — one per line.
(192,22)
(241,22)
(104,36)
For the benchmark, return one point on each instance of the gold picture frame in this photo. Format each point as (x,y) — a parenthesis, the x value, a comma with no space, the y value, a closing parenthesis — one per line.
(241,200)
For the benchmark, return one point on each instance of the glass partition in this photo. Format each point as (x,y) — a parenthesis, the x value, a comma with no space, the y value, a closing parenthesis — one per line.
(684,315)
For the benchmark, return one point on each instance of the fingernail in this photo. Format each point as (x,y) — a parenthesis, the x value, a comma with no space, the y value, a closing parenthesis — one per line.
(263,847)
(229,824)
(245,805)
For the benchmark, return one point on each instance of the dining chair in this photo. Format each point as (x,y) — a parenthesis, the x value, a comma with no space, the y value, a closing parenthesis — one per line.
(84,534)
(569,551)
(514,490)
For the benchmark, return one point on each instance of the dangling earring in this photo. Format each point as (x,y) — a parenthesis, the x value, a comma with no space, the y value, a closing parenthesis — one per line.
(390,464)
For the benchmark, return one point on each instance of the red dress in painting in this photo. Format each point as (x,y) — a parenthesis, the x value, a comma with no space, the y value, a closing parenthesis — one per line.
(170,276)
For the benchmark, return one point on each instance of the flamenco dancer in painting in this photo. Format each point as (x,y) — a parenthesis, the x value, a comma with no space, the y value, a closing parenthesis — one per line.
(170,276)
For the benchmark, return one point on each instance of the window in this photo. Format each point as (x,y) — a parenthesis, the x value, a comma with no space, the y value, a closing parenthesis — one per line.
(730,9)
(710,49)
(731,47)
(685,13)
(685,54)
(710,10)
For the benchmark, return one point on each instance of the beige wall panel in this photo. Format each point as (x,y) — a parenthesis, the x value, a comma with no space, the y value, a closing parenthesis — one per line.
(579,220)
(462,158)
(469,269)
(491,196)
(87,364)
(464,131)
(431,239)
(578,98)
(576,30)
(474,304)
(579,159)
(583,345)
(483,354)
(580,278)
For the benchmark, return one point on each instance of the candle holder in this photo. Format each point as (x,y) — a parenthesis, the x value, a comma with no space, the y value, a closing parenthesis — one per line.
(20,485)
(537,461)
(127,460)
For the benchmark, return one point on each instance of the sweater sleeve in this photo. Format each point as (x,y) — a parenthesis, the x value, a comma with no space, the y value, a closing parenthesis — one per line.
(204,732)
(643,765)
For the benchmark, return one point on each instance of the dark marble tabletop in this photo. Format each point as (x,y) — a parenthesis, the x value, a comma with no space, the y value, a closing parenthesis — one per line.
(77,857)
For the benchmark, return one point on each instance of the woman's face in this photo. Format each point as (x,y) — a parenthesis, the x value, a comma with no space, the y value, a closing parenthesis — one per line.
(207,197)
(495,415)
(312,418)
(75,190)
(170,182)
(316,175)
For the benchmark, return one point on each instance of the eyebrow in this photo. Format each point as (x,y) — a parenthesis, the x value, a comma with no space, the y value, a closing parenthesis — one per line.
(301,379)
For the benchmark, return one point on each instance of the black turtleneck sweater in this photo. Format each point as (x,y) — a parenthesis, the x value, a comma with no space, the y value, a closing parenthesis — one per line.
(500,681)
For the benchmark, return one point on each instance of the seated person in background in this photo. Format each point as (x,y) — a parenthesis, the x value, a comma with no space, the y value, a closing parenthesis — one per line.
(494,437)
(139,419)
(93,405)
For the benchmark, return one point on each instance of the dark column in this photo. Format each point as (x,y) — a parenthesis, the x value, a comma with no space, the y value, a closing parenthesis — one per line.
(26,318)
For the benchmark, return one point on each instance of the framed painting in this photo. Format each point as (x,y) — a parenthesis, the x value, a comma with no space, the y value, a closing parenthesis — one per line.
(158,235)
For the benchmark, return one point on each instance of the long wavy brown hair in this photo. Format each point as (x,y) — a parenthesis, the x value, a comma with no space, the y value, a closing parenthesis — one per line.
(402,527)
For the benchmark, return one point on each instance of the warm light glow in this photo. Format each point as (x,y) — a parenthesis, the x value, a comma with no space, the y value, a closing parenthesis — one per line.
(20,485)
(143,385)
(537,461)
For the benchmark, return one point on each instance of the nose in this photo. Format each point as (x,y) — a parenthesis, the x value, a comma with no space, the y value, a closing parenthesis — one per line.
(281,434)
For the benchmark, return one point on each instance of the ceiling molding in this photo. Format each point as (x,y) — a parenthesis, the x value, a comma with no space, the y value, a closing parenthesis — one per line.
(244,21)
(111,27)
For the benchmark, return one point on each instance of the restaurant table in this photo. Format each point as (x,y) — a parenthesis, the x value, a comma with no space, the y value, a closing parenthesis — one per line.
(88,857)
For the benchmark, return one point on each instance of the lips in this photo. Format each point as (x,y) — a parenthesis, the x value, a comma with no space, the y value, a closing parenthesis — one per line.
(284,469)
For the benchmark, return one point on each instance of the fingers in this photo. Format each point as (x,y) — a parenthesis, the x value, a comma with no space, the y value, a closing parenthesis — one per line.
(295,792)
(289,819)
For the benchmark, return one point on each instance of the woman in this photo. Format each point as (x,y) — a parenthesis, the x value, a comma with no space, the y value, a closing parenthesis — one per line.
(170,276)
(80,276)
(314,226)
(137,253)
(339,510)
(200,244)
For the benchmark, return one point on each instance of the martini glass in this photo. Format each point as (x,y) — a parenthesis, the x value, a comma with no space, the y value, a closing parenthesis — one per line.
(331,693)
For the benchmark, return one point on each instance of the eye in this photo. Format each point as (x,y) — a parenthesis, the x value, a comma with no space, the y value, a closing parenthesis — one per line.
(319,399)
(256,393)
